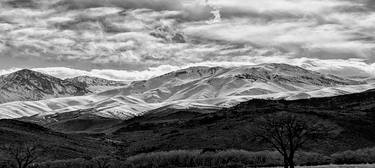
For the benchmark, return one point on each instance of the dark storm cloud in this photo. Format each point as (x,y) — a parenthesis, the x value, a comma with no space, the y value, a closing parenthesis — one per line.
(22,3)
(370,4)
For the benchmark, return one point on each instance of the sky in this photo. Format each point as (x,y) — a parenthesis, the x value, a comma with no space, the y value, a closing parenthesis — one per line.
(139,39)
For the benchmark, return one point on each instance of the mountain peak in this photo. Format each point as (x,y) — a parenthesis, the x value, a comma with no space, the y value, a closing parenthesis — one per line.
(26,84)
(26,77)
(193,72)
(25,71)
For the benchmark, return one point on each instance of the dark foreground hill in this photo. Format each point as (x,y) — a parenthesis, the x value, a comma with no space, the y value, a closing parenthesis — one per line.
(56,145)
(351,116)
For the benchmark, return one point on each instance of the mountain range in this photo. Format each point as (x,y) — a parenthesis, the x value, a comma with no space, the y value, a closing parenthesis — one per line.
(350,117)
(195,87)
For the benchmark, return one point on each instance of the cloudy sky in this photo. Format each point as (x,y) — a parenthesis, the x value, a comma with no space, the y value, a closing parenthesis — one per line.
(138,39)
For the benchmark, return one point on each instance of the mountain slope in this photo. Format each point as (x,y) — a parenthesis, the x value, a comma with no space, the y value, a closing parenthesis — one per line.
(95,84)
(196,87)
(207,83)
(26,85)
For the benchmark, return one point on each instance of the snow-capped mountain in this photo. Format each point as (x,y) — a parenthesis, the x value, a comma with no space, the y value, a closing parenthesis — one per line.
(95,84)
(27,85)
(197,87)
(215,82)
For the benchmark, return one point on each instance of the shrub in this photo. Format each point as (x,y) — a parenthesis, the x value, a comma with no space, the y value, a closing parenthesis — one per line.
(366,155)
(312,159)
(65,163)
(196,158)
(98,162)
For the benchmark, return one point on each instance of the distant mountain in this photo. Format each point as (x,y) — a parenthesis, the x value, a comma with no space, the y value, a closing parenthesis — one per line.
(27,85)
(95,84)
(215,82)
(94,81)
(196,87)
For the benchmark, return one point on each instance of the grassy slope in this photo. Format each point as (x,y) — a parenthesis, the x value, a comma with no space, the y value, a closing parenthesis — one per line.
(57,145)
(81,121)
(352,115)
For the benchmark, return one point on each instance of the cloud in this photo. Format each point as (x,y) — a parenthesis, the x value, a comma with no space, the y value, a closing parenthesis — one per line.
(28,3)
(193,11)
(135,35)
(370,4)
(271,9)
(301,38)
(126,4)
(110,74)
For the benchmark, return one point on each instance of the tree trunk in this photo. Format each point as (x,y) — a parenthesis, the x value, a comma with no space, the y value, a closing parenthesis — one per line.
(291,162)
(286,162)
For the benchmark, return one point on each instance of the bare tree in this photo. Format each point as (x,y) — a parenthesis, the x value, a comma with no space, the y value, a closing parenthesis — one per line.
(287,133)
(21,155)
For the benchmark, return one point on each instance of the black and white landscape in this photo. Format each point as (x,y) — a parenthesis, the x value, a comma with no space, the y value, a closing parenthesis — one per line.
(187,83)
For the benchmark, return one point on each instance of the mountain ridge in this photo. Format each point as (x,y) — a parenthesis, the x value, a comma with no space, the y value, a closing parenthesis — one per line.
(196,87)
(95,84)
(31,85)
(95,81)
